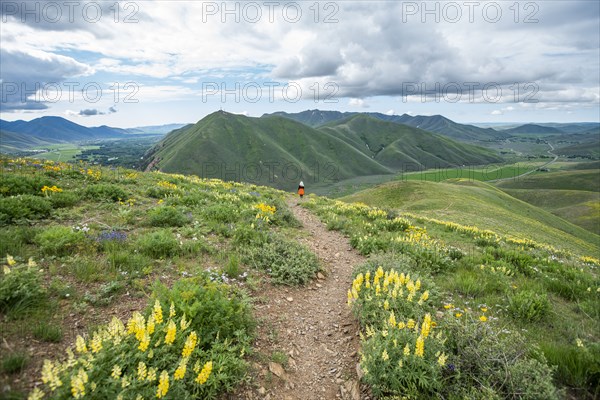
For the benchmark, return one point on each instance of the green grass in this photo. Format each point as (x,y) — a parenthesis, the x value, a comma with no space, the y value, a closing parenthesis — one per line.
(482,205)
(64,153)
(588,180)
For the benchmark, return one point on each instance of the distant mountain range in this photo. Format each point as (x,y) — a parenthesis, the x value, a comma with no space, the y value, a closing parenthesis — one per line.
(435,123)
(45,131)
(274,150)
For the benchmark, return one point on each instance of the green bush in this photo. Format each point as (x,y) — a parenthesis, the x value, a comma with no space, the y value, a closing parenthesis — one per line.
(64,199)
(20,288)
(167,216)
(23,207)
(162,353)
(158,244)
(105,192)
(14,239)
(498,361)
(527,305)
(60,240)
(288,263)
(223,213)
(13,185)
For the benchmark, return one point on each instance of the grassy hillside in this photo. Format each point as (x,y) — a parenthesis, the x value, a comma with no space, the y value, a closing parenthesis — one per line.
(402,147)
(277,151)
(588,180)
(476,203)
(12,141)
(579,207)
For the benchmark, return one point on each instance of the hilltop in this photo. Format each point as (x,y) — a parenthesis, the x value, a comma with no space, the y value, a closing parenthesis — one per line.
(278,151)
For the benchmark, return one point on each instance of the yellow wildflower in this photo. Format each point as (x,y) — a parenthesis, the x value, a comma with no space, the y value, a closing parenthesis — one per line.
(116,372)
(483,318)
(410,324)
(150,325)
(579,342)
(144,343)
(384,355)
(151,376)
(6,270)
(420,346)
(442,359)
(78,384)
(458,315)
(183,323)
(10,260)
(50,375)
(205,373)
(406,350)
(36,394)
(157,312)
(484,309)
(96,343)
(426,326)
(171,331)
(392,320)
(142,371)
(401,325)
(163,385)
(172,310)
(80,345)
(180,371)
(190,344)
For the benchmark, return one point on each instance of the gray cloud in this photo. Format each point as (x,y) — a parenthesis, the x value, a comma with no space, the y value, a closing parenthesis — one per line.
(27,79)
(88,112)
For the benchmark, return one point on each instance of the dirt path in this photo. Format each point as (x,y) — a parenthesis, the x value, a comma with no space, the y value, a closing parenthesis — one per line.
(312,325)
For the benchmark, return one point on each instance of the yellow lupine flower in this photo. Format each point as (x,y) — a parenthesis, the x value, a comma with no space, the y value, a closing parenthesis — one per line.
(386,305)
(78,384)
(410,324)
(442,359)
(144,343)
(420,347)
(401,325)
(80,345)
(142,371)
(116,371)
(151,376)
(10,260)
(406,350)
(157,312)
(50,375)
(384,355)
(426,326)
(180,371)
(31,263)
(171,332)
(36,394)
(190,344)
(6,270)
(205,373)
(163,384)
(172,310)
(392,320)
(183,323)
(96,343)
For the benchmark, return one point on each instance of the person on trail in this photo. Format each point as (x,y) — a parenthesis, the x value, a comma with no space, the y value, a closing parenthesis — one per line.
(301,189)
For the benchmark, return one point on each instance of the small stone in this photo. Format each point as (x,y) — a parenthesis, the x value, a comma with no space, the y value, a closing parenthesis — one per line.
(277,369)
(262,391)
(290,299)
(320,276)
(319,285)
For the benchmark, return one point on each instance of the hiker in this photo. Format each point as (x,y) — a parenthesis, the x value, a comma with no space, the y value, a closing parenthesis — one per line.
(301,189)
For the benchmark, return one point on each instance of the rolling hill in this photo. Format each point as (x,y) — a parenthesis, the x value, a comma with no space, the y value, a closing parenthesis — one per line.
(277,151)
(55,130)
(477,203)
(12,141)
(533,129)
(434,123)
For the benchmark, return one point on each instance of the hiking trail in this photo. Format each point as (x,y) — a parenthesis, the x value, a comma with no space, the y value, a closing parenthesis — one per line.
(312,325)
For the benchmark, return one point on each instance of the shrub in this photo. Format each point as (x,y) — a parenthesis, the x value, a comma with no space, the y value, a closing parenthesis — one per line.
(167,216)
(287,262)
(64,199)
(14,239)
(20,286)
(153,355)
(499,361)
(223,213)
(527,305)
(159,244)
(23,207)
(105,192)
(13,185)
(59,240)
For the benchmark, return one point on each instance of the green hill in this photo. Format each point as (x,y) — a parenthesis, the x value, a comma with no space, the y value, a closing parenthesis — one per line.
(279,152)
(562,180)
(482,205)
(13,141)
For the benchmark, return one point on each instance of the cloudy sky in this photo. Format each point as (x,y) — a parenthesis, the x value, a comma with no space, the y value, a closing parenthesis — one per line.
(133,63)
